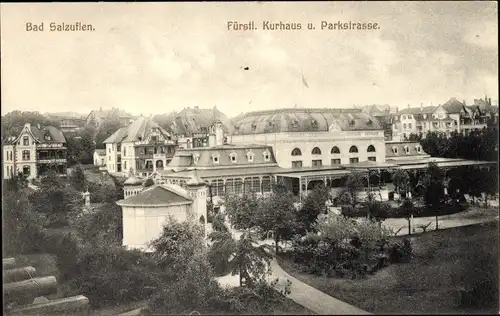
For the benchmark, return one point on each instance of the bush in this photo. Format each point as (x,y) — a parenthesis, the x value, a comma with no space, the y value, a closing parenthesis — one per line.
(110,276)
(400,251)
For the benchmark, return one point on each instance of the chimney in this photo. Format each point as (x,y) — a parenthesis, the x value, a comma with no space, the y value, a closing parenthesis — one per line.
(421,107)
(464,102)
(489,101)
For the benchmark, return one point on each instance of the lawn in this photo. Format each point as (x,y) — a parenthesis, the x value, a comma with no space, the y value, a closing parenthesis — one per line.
(444,262)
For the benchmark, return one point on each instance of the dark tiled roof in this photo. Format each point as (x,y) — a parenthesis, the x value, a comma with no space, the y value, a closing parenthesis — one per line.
(55,134)
(194,120)
(453,106)
(304,120)
(414,110)
(156,196)
(186,157)
(136,131)
(400,146)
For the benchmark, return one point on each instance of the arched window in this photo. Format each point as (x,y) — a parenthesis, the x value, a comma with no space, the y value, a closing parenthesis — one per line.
(353,149)
(159,164)
(296,152)
(335,150)
(316,151)
(371,149)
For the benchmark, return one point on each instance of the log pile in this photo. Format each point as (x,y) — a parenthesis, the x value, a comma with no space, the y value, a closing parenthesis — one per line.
(24,293)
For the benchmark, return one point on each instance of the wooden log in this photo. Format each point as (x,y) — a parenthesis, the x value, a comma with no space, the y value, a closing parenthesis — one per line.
(29,289)
(76,305)
(8,263)
(18,274)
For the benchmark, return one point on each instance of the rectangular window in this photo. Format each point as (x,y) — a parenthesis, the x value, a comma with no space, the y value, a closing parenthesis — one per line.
(353,160)
(409,125)
(109,158)
(118,147)
(26,155)
(372,158)
(26,141)
(335,162)
(297,164)
(109,150)
(124,166)
(316,163)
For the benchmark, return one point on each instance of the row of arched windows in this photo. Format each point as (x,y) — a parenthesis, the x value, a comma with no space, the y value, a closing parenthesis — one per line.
(335,150)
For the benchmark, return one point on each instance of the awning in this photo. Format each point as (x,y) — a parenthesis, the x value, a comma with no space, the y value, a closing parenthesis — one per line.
(370,165)
(314,173)
(452,163)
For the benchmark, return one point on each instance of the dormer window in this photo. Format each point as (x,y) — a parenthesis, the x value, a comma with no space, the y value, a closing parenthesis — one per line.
(418,148)
(233,157)
(48,137)
(352,123)
(254,127)
(216,158)
(395,150)
(250,156)
(407,150)
(267,155)
(369,123)
(295,124)
(314,124)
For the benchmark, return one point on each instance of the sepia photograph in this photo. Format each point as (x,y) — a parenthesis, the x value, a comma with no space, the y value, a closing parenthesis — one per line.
(250,158)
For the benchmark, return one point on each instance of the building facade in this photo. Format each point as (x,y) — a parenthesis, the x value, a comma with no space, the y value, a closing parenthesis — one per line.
(96,118)
(100,157)
(452,116)
(34,152)
(146,210)
(143,147)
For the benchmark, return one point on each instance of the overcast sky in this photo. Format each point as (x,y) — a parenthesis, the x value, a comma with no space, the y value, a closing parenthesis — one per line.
(159,57)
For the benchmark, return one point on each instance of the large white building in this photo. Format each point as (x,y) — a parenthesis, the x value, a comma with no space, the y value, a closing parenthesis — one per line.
(34,151)
(145,211)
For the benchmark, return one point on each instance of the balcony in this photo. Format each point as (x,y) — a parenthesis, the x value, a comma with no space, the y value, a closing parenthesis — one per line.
(52,161)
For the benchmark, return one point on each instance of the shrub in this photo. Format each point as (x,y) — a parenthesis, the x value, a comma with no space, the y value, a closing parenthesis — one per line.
(113,275)
(400,251)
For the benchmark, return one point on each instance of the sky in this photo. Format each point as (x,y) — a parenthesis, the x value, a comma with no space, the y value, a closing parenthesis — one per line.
(154,58)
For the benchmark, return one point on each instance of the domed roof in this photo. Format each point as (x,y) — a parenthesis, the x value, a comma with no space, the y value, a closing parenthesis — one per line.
(199,120)
(304,120)
(133,180)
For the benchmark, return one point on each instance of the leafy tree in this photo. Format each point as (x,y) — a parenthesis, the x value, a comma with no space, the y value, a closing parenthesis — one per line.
(218,223)
(242,210)
(313,205)
(77,179)
(277,213)
(106,129)
(400,179)
(408,209)
(81,146)
(56,199)
(354,184)
(13,122)
(378,211)
(432,181)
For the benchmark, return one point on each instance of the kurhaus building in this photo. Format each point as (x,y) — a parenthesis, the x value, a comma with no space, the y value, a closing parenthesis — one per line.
(300,148)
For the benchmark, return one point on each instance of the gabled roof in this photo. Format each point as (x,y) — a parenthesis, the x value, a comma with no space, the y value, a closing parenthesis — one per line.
(453,106)
(100,152)
(136,131)
(156,196)
(195,120)
(379,110)
(420,109)
(56,136)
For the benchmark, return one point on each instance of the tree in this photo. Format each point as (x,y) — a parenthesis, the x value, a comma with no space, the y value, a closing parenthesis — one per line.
(408,209)
(378,211)
(400,179)
(13,122)
(313,205)
(106,129)
(354,184)
(56,199)
(432,182)
(77,179)
(242,210)
(277,213)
